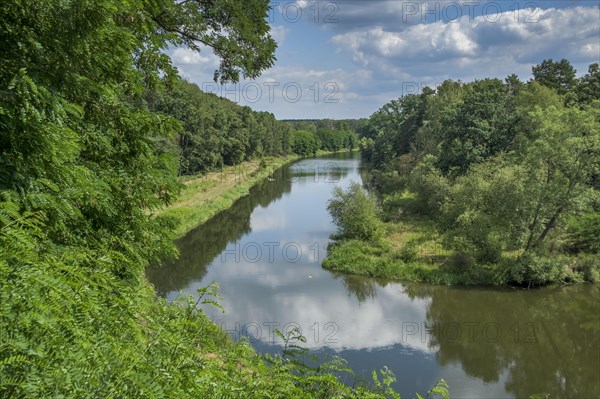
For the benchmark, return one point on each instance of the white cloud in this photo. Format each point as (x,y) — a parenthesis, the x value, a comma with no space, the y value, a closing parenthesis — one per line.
(466,46)
(205,58)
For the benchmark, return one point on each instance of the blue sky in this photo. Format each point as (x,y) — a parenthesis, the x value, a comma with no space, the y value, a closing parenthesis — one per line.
(346,58)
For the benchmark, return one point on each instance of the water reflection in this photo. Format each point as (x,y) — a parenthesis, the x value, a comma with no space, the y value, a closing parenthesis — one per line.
(547,340)
(266,253)
(362,288)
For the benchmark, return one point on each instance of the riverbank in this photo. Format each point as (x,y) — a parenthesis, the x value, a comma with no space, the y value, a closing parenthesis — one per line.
(413,251)
(204,196)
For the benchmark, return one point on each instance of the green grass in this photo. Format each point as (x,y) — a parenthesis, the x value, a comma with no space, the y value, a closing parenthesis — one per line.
(412,251)
(366,259)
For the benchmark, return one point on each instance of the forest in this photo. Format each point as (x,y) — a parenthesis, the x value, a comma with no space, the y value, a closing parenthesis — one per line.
(215,132)
(487,182)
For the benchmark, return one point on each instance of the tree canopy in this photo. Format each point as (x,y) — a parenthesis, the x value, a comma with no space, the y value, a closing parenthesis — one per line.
(500,167)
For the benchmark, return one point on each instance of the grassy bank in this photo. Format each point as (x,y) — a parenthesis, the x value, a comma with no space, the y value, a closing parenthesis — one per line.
(412,251)
(204,196)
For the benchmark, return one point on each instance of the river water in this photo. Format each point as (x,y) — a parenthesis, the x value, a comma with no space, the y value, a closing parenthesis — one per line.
(266,253)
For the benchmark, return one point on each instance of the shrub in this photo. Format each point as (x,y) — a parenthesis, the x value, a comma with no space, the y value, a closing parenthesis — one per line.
(589,267)
(430,187)
(460,262)
(532,269)
(389,182)
(356,215)
(488,250)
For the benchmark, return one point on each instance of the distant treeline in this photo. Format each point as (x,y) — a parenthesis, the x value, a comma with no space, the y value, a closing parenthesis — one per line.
(310,136)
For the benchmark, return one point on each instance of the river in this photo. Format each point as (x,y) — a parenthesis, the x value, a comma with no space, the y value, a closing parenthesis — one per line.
(266,253)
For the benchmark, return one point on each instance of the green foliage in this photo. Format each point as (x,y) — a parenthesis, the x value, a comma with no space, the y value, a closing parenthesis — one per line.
(388,182)
(561,162)
(480,127)
(500,169)
(215,131)
(77,147)
(355,213)
(430,187)
(583,233)
(238,33)
(355,257)
(441,389)
(332,135)
(292,348)
(482,214)
(305,143)
(528,99)
(70,330)
(409,252)
(557,75)
(587,89)
(391,131)
(336,140)
(532,269)
(362,258)
(84,164)
(589,267)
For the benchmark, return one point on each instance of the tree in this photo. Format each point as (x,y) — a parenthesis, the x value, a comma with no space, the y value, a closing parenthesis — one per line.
(441,108)
(531,97)
(588,87)
(78,144)
(216,131)
(238,33)
(84,164)
(479,127)
(562,160)
(393,128)
(305,143)
(514,84)
(515,201)
(481,214)
(557,75)
(355,213)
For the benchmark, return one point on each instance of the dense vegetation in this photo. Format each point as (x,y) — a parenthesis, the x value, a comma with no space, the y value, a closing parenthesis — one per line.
(486,182)
(328,135)
(91,112)
(217,132)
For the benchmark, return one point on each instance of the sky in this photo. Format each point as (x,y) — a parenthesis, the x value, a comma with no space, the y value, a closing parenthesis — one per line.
(344,59)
